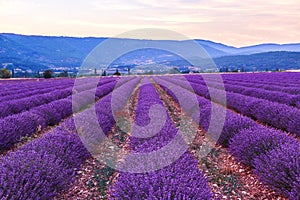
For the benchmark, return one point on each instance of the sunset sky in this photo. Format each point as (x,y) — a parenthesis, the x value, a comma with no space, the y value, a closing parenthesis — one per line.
(233,22)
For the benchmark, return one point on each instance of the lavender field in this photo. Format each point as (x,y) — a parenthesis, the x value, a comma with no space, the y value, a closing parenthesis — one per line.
(232,137)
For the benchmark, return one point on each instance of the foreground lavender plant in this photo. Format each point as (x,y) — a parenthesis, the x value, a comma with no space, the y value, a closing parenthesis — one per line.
(273,154)
(13,127)
(47,165)
(278,115)
(280,168)
(180,180)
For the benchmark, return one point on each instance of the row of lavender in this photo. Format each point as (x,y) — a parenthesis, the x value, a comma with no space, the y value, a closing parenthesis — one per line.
(267,86)
(16,126)
(41,88)
(14,81)
(36,88)
(254,90)
(157,179)
(26,86)
(47,165)
(278,115)
(273,155)
(278,79)
(18,103)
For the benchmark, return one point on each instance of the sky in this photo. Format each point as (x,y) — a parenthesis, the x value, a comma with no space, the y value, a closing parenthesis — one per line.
(232,22)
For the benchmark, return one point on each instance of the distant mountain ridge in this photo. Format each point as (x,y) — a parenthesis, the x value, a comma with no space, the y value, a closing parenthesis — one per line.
(42,52)
(260,48)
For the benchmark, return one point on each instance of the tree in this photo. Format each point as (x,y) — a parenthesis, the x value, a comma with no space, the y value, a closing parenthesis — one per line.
(48,73)
(12,72)
(104,73)
(117,73)
(243,69)
(38,74)
(5,73)
(63,74)
(174,70)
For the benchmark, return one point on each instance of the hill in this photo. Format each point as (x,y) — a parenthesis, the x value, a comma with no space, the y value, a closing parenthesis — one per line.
(42,52)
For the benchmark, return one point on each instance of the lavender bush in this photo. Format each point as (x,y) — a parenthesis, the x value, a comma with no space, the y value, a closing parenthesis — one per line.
(180,180)
(280,167)
(42,168)
(17,126)
(13,127)
(295,193)
(45,166)
(272,113)
(249,144)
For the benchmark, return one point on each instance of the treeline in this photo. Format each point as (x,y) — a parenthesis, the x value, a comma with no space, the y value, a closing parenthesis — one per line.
(6,73)
(271,61)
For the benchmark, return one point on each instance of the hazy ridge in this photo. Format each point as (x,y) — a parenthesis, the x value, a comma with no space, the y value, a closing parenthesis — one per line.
(41,52)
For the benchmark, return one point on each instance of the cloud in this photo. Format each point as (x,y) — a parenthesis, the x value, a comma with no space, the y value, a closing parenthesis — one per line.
(228,21)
